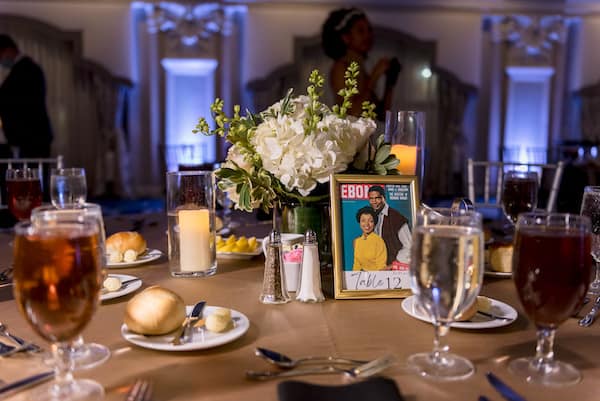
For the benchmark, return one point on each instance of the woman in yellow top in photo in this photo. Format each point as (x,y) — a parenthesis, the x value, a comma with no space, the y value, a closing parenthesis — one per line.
(370,252)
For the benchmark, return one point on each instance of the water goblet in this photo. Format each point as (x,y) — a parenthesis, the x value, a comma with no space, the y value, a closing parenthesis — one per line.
(590,207)
(446,271)
(68,187)
(24,188)
(84,355)
(551,270)
(519,193)
(57,279)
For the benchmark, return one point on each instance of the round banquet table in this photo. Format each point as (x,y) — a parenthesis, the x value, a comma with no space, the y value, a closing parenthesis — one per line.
(359,329)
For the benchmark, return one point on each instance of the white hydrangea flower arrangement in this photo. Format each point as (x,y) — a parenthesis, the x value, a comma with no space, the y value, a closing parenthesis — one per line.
(289,151)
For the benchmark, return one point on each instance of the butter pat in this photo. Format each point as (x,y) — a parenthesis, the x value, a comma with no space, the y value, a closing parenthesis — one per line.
(130,255)
(112,284)
(219,320)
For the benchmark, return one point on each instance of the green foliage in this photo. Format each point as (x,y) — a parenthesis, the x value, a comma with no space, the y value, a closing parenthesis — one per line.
(382,161)
(257,187)
(313,112)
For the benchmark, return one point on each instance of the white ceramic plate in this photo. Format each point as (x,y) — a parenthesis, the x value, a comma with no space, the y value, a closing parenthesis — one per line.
(148,256)
(477,322)
(129,288)
(242,255)
(201,338)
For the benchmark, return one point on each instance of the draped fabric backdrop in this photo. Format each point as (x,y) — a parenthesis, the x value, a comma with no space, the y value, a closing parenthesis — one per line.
(85,103)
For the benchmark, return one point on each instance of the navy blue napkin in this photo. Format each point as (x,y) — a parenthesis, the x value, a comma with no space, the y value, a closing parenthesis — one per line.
(373,389)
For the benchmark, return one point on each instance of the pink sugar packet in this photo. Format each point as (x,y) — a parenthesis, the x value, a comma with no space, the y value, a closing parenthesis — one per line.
(293,256)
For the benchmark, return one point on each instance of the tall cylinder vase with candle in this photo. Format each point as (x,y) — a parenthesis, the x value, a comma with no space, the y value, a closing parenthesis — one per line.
(405,131)
(191,223)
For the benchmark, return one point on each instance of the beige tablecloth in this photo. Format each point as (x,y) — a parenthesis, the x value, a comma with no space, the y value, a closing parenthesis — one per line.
(360,329)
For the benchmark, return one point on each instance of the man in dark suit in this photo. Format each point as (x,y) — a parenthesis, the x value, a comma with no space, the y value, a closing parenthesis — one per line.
(23,102)
(392,226)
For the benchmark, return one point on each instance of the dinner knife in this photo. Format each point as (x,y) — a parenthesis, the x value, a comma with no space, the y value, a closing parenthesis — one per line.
(503,388)
(26,382)
(194,315)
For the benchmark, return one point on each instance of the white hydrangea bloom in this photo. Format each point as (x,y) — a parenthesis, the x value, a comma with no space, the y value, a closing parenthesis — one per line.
(300,161)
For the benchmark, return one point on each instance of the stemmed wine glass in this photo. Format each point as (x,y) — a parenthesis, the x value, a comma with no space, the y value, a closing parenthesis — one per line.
(24,189)
(446,271)
(519,193)
(57,279)
(84,355)
(552,270)
(590,207)
(68,187)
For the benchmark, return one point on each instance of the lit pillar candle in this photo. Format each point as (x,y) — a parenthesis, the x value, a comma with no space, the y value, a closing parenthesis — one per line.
(194,239)
(408,158)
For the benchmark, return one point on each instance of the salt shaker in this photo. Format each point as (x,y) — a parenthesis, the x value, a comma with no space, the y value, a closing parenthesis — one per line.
(309,287)
(274,289)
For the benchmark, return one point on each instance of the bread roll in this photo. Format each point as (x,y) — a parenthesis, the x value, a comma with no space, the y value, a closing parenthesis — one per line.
(482,304)
(154,311)
(125,246)
(501,258)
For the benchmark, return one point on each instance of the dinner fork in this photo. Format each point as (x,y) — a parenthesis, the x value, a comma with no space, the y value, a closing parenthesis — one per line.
(140,391)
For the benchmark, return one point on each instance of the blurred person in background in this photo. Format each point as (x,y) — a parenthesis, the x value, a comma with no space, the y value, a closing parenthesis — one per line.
(25,120)
(347,36)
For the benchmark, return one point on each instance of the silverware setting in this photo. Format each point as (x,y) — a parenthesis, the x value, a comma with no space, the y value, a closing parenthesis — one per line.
(184,333)
(590,317)
(285,362)
(6,275)
(23,345)
(502,388)
(358,372)
(328,366)
(141,390)
(494,317)
(26,382)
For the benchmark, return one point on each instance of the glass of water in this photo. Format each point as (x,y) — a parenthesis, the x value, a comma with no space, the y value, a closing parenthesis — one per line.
(446,271)
(68,187)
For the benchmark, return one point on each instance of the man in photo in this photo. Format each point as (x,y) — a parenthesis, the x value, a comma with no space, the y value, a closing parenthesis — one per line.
(393,227)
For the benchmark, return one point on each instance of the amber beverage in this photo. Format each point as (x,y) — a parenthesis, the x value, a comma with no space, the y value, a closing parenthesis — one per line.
(57,274)
(519,194)
(552,271)
(24,194)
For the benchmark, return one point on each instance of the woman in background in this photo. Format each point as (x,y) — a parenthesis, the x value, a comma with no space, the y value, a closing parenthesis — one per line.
(370,252)
(347,36)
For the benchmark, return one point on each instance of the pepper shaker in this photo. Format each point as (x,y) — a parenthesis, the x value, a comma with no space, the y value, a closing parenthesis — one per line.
(274,290)
(309,287)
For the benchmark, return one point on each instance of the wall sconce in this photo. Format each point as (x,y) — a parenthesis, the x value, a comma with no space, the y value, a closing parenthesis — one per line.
(191,22)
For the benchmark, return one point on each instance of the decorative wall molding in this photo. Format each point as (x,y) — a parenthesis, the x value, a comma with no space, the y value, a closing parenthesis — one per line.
(531,38)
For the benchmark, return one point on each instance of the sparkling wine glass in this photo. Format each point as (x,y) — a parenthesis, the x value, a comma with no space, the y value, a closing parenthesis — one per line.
(552,270)
(68,187)
(24,189)
(446,271)
(84,355)
(519,193)
(590,207)
(57,279)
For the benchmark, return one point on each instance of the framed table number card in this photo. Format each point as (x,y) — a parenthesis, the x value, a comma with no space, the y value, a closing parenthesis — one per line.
(372,221)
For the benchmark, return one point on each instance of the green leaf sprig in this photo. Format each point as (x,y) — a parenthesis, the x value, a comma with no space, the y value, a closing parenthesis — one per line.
(313,109)
(350,89)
